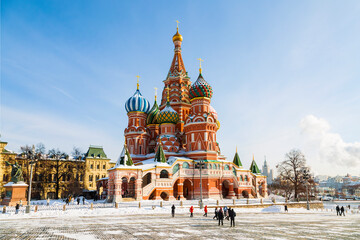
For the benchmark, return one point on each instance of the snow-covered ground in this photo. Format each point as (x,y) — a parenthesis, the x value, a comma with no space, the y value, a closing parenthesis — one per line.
(147,223)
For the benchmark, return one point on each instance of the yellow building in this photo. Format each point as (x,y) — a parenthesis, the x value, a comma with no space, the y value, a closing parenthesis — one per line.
(5,171)
(96,166)
(58,177)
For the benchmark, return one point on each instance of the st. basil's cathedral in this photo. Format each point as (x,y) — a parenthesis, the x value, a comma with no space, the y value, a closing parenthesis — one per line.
(166,144)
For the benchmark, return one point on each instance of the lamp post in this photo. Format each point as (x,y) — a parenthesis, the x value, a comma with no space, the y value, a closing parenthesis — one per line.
(201,196)
(32,161)
(306,177)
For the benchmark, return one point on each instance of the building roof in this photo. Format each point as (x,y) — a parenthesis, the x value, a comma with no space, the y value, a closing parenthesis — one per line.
(160,155)
(237,161)
(254,168)
(95,152)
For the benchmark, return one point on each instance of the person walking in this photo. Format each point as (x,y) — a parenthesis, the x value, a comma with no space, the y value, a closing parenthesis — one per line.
(342,211)
(232,215)
(286,208)
(226,212)
(83,200)
(21,203)
(173,210)
(78,200)
(337,210)
(205,210)
(48,201)
(221,217)
(191,211)
(216,214)
(17,207)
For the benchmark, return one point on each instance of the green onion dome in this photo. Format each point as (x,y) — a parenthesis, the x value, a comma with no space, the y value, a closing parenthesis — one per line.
(168,115)
(153,114)
(200,88)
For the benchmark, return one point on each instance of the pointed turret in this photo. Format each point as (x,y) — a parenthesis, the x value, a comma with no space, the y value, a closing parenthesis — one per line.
(237,161)
(177,65)
(254,168)
(160,155)
(125,158)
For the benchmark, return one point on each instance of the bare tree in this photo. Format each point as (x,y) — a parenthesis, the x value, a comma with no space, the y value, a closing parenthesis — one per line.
(77,153)
(292,170)
(40,149)
(62,169)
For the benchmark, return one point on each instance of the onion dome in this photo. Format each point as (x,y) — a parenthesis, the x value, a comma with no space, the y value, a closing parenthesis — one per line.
(168,114)
(177,36)
(200,88)
(137,103)
(153,114)
(213,112)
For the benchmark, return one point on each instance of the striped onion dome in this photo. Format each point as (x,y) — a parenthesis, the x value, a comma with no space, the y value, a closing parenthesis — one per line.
(168,115)
(200,88)
(153,114)
(137,103)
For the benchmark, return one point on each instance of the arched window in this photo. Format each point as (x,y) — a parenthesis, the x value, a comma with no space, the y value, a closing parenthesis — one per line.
(234,171)
(164,174)
(176,168)
(246,178)
(226,167)
(241,178)
(210,166)
(214,166)
(185,165)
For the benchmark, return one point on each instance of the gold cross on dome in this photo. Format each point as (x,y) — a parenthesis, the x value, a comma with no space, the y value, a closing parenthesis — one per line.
(155,92)
(200,60)
(137,82)
(177,24)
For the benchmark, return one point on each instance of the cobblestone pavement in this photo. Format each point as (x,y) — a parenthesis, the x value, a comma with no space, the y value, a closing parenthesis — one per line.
(321,225)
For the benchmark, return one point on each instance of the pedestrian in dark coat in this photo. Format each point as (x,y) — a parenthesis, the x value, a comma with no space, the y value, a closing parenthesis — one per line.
(83,200)
(17,207)
(286,208)
(216,214)
(173,210)
(221,217)
(232,216)
(78,200)
(337,210)
(191,211)
(342,211)
(205,211)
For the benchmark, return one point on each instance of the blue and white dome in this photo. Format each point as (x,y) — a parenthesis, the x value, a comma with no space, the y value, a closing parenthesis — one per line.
(137,103)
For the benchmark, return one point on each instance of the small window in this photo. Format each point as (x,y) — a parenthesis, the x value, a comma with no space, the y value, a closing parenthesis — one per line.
(176,168)
(98,166)
(91,166)
(104,166)
(226,167)
(90,178)
(185,165)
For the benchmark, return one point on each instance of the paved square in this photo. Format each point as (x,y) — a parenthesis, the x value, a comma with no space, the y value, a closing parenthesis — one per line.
(249,225)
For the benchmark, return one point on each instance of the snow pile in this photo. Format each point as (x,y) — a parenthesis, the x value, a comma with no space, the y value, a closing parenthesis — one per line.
(272,209)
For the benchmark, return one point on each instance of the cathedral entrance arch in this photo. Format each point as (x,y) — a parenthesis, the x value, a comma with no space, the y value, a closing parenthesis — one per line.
(225,188)
(124,187)
(175,189)
(188,189)
(132,187)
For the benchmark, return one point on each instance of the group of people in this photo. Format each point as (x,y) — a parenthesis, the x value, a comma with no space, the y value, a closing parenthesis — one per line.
(227,213)
(220,214)
(78,200)
(340,210)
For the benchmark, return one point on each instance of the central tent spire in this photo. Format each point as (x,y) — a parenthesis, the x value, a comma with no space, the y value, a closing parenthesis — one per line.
(177,66)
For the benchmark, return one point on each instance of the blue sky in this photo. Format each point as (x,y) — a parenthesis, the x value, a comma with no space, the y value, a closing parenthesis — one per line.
(285,74)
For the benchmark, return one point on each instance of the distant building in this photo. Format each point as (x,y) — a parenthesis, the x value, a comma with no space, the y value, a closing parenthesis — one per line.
(268,172)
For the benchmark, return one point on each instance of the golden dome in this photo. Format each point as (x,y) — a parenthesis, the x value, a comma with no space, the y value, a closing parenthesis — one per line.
(177,36)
